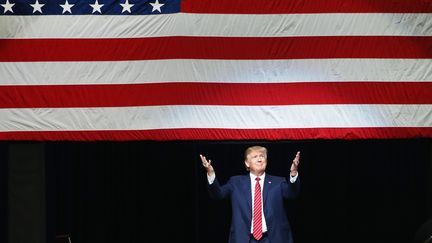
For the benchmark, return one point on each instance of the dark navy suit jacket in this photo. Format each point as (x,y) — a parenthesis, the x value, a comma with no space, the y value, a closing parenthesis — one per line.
(275,190)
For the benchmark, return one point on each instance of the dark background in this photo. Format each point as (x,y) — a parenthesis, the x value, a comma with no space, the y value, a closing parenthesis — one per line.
(352,190)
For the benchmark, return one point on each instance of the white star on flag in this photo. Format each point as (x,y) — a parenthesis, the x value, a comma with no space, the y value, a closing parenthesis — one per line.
(67,7)
(157,6)
(37,7)
(96,7)
(8,6)
(126,6)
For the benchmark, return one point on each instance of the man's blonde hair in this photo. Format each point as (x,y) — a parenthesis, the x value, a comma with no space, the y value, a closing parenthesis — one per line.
(255,148)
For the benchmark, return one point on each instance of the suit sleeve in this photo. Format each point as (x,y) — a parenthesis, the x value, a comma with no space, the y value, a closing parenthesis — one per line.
(218,191)
(290,190)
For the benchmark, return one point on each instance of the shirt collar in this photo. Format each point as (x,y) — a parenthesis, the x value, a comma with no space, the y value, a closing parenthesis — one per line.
(252,176)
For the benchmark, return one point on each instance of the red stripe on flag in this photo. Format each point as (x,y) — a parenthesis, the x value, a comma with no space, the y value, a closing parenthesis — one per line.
(56,96)
(306,6)
(224,134)
(15,50)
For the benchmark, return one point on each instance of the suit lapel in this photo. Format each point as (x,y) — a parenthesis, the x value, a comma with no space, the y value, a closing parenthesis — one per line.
(266,186)
(248,191)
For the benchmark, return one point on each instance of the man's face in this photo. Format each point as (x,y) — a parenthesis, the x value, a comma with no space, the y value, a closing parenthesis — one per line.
(256,161)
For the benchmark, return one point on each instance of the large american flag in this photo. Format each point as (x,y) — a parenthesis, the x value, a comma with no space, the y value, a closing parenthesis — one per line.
(215,69)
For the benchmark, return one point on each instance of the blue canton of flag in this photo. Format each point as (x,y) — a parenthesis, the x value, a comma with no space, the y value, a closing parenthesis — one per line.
(88,7)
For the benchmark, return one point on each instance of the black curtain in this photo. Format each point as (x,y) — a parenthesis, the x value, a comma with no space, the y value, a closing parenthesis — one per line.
(3,191)
(352,191)
(123,192)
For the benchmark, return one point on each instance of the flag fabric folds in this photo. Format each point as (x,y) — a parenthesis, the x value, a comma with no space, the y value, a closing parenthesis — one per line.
(89,70)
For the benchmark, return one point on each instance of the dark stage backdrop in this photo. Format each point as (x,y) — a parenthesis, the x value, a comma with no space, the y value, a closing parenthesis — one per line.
(3,191)
(352,191)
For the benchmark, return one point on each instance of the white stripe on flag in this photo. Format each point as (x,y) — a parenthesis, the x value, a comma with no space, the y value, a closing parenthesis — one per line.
(241,25)
(229,117)
(221,71)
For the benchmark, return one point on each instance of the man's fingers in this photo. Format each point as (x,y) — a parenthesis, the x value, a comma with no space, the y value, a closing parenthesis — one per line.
(203,159)
(296,160)
(206,163)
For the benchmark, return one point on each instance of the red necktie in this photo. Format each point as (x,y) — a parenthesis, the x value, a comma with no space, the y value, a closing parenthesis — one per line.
(257,217)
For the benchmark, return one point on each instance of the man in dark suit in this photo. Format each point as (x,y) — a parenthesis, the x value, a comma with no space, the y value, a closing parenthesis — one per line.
(258,213)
